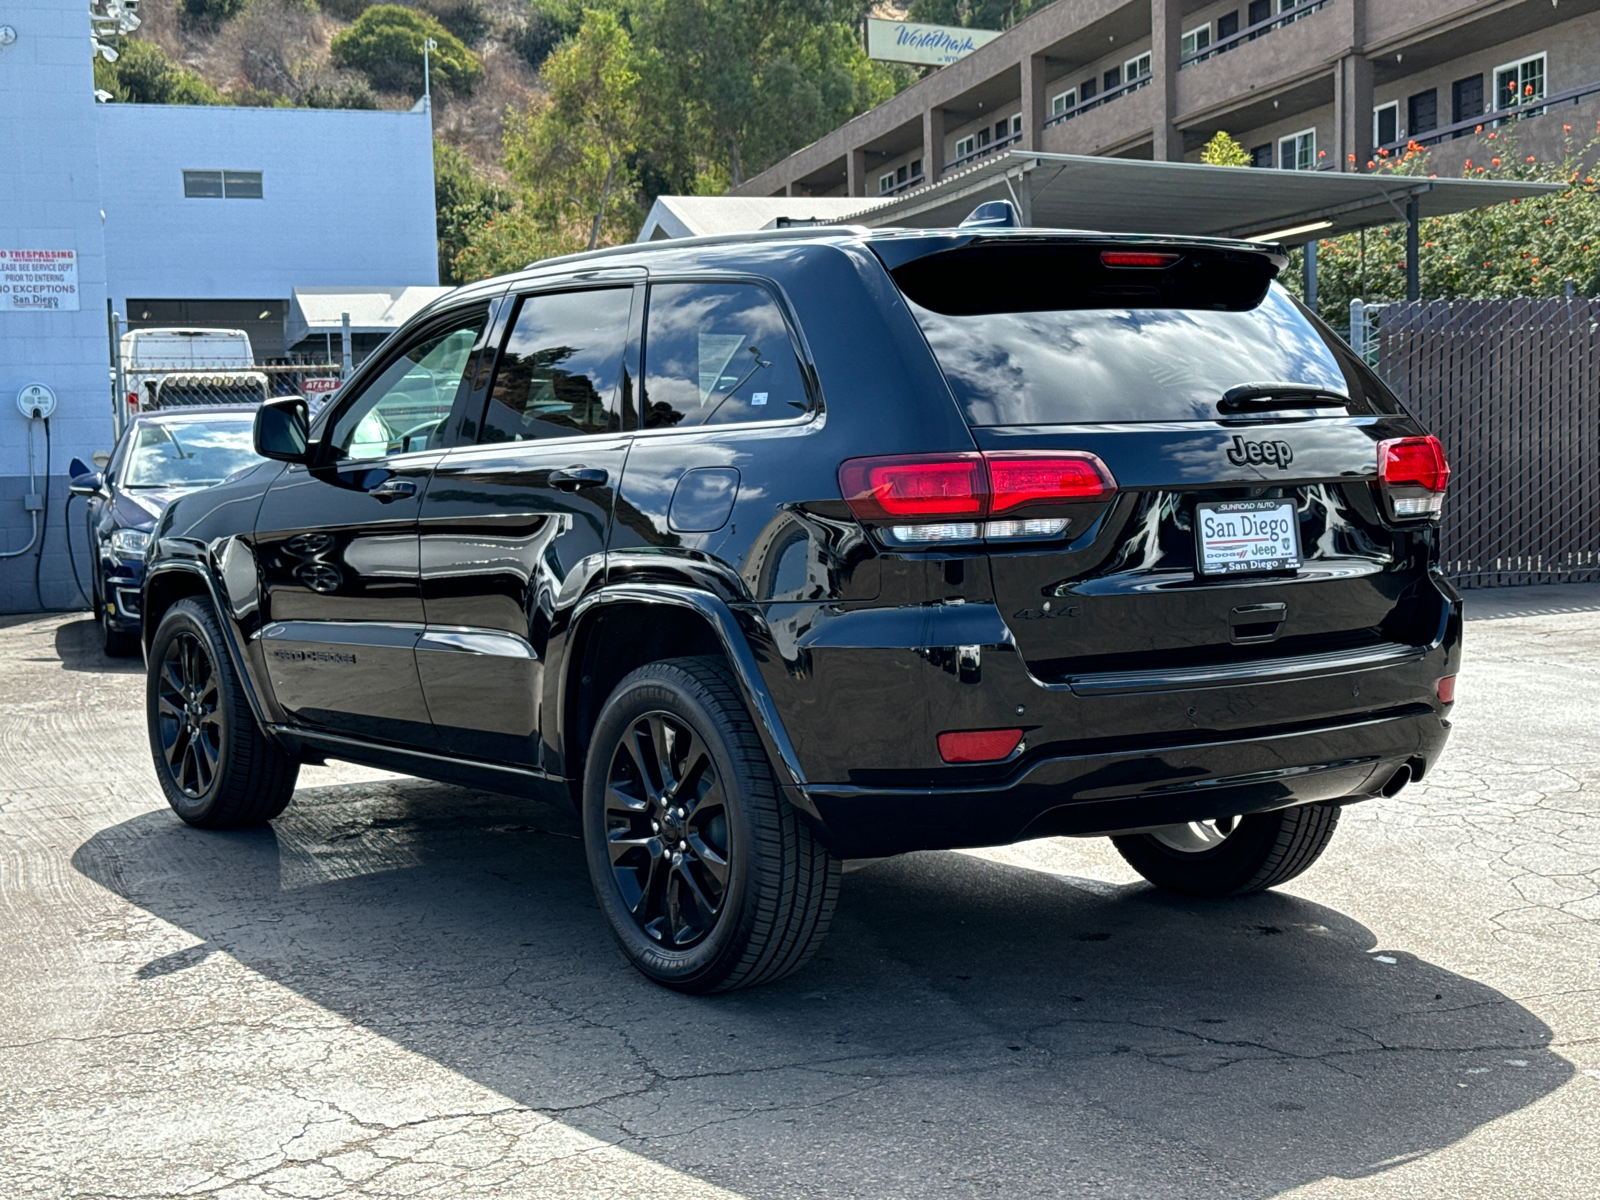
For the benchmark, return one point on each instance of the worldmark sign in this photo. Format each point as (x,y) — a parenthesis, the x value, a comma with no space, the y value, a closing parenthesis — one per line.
(925,45)
(38,280)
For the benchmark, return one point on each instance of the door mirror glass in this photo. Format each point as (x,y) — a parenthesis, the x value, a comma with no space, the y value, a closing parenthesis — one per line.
(283,430)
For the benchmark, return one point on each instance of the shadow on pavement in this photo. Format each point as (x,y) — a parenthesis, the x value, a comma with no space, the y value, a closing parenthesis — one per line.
(81,648)
(968,1029)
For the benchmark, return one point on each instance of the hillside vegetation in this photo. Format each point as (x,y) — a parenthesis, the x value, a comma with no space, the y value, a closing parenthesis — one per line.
(556,124)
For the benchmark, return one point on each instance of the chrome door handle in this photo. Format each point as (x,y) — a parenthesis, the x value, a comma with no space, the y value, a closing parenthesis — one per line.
(393,489)
(573,478)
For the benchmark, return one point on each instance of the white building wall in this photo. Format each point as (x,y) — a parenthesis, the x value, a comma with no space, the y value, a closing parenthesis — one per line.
(347,201)
(49,200)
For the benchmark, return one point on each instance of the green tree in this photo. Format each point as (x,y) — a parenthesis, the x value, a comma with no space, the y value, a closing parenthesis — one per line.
(754,80)
(143,74)
(571,154)
(549,23)
(213,12)
(1224,151)
(970,14)
(1525,247)
(386,43)
(463,200)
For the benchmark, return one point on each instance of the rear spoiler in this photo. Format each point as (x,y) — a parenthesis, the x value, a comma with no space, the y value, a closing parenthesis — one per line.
(967,272)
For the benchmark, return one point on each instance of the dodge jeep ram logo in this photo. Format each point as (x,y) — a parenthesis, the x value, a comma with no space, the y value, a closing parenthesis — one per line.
(1257,453)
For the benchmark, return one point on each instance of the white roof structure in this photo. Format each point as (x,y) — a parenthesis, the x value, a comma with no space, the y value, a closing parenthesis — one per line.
(695,216)
(320,310)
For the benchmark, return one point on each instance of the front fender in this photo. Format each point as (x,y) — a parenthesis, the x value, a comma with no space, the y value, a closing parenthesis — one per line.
(188,577)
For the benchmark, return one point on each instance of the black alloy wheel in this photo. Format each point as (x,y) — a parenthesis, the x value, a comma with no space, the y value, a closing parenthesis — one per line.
(188,716)
(216,766)
(708,877)
(667,831)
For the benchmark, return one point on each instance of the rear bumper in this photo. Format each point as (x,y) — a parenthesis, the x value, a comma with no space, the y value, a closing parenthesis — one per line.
(1120,792)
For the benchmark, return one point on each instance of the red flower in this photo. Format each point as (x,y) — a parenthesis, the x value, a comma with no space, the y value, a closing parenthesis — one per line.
(1352,158)
(1370,164)
(1495,161)
(1530,158)
(1479,129)
(1566,129)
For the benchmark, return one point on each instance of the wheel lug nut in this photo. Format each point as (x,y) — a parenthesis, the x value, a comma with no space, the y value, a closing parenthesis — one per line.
(683,845)
(655,826)
(680,814)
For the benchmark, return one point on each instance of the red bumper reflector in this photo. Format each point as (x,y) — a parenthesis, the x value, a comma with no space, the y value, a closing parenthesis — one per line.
(978,745)
(1447,690)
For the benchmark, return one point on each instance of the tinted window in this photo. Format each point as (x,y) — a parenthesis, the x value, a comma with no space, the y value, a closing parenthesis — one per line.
(718,354)
(405,406)
(1123,364)
(559,370)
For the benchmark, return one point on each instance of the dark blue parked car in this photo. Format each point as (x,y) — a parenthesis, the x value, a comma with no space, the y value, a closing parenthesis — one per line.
(161,455)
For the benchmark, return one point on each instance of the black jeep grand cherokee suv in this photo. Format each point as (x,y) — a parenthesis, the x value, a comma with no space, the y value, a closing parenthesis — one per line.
(782,549)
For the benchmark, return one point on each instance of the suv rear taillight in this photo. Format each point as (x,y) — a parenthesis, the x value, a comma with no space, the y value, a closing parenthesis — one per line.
(919,499)
(1413,475)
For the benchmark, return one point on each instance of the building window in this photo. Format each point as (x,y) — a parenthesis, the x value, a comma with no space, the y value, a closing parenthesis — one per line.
(1088,88)
(965,146)
(1289,6)
(983,136)
(1519,83)
(1466,99)
(1137,68)
(1422,113)
(1261,156)
(1197,40)
(1386,123)
(222,185)
(1060,104)
(916,168)
(1016,125)
(1112,78)
(886,182)
(1298,151)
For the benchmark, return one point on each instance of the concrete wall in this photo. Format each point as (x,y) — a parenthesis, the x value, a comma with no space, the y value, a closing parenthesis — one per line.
(347,201)
(49,200)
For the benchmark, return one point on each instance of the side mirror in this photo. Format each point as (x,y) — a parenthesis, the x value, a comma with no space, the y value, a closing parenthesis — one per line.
(83,480)
(283,430)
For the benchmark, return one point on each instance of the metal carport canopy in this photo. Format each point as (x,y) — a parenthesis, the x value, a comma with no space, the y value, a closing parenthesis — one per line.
(1125,195)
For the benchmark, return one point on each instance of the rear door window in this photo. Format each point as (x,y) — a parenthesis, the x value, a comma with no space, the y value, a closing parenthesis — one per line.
(718,354)
(559,371)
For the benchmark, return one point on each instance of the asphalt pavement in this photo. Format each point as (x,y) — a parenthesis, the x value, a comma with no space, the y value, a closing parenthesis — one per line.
(405,989)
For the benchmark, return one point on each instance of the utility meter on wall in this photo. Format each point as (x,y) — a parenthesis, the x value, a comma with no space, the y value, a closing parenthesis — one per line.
(36,400)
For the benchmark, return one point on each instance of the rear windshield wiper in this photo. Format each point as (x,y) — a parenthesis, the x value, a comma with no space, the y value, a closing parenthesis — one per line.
(1248,397)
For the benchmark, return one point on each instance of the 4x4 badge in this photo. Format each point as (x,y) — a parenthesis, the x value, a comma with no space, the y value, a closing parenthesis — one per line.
(1277,453)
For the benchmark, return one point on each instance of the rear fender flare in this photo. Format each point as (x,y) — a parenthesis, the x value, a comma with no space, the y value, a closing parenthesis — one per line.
(726,625)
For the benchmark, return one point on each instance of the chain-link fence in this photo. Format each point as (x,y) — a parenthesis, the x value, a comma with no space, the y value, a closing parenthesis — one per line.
(1512,389)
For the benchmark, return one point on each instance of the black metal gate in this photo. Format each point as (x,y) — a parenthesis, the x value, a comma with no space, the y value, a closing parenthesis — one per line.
(1512,389)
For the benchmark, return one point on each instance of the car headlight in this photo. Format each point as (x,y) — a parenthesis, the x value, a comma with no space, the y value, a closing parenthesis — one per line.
(130,543)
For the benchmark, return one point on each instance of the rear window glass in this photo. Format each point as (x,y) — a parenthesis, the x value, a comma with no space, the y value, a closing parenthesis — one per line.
(1092,365)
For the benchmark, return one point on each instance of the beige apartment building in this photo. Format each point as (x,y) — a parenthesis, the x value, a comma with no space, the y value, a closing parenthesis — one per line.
(1302,84)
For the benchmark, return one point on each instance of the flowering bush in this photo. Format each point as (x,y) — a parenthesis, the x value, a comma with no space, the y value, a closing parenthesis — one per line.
(1517,248)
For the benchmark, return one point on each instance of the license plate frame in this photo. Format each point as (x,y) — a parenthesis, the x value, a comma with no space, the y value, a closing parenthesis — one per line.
(1246,537)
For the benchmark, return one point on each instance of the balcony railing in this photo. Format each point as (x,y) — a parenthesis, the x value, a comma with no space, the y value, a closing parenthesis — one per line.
(1532,107)
(1106,97)
(914,181)
(980,152)
(1251,32)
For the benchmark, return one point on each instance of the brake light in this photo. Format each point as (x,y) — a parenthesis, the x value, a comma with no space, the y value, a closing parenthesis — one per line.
(1414,474)
(1017,479)
(978,745)
(133,399)
(915,486)
(926,498)
(1137,258)
(1447,690)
